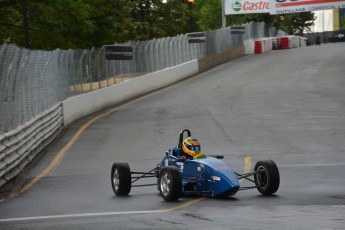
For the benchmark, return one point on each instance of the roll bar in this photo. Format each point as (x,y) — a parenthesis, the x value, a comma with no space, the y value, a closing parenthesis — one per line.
(181,137)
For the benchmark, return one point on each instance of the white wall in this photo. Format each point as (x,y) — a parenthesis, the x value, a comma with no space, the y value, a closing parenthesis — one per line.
(85,104)
(323,21)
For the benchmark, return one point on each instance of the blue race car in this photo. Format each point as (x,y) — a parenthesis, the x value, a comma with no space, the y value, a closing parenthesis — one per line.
(209,176)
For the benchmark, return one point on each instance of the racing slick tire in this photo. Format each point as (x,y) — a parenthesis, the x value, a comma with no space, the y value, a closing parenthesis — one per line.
(170,183)
(267,179)
(121,178)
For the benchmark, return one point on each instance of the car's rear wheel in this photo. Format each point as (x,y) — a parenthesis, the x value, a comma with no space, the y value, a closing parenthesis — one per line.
(267,178)
(121,178)
(170,183)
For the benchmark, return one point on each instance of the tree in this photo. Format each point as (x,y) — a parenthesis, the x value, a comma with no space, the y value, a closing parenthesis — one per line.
(296,23)
(65,23)
(208,14)
(154,19)
(11,22)
(79,24)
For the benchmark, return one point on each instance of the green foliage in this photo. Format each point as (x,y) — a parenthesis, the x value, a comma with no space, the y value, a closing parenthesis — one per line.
(296,23)
(208,14)
(153,19)
(78,24)
(66,24)
(246,18)
(10,22)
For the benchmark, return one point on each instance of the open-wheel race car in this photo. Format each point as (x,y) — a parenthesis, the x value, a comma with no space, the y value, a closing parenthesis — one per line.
(178,174)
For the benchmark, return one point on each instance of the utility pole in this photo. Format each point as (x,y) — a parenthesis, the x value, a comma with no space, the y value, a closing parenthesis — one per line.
(223,14)
(191,22)
(26,25)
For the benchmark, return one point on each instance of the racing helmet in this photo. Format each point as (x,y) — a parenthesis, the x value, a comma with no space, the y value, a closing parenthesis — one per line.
(191,146)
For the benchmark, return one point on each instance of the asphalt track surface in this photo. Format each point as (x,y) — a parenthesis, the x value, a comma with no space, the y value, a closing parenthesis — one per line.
(286,105)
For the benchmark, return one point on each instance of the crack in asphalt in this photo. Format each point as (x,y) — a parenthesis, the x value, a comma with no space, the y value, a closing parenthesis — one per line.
(196,216)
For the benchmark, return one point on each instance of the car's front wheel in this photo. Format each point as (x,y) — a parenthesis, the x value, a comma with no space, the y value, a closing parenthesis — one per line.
(267,178)
(170,183)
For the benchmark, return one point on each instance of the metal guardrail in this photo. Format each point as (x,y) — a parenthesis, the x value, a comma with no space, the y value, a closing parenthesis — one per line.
(21,145)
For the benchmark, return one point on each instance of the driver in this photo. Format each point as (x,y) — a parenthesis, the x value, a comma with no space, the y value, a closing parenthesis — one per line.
(191,148)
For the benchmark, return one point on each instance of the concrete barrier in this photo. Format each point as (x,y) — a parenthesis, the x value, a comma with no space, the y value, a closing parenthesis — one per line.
(220,58)
(249,46)
(289,42)
(264,45)
(85,104)
(258,46)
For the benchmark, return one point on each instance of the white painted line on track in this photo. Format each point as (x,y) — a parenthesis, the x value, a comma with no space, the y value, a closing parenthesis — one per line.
(79,215)
(184,205)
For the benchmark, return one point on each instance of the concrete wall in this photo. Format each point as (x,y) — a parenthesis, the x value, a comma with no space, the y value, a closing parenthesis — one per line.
(85,104)
(263,45)
(220,58)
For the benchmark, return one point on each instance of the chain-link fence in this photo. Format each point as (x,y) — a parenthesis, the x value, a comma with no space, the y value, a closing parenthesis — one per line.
(32,81)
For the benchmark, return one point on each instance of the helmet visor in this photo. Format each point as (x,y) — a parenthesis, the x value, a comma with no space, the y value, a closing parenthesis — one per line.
(195,148)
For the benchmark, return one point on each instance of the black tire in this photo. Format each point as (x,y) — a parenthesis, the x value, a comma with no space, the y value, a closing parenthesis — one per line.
(267,178)
(170,183)
(121,178)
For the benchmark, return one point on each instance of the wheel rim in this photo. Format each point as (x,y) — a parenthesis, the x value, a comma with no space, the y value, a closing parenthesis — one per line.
(116,179)
(165,184)
(262,177)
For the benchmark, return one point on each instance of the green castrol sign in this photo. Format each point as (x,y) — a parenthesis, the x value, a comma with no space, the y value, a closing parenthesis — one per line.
(237,6)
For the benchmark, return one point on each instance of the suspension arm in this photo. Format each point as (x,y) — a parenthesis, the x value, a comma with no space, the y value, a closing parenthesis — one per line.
(143,175)
(246,175)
